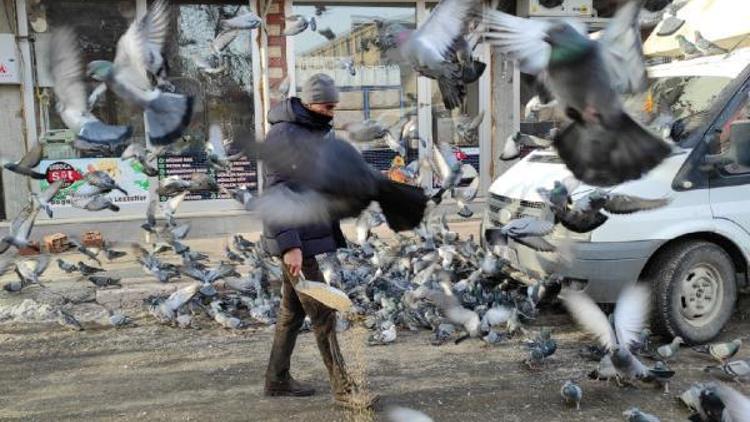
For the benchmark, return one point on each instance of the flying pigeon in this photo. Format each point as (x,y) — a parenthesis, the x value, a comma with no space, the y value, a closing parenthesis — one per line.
(438,49)
(528,231)
(43,199)
(603,146)
(25,166)
(144,157)
(72,103)
(20,229)
(244,21)
(296,24)
(139,58)
(327,33)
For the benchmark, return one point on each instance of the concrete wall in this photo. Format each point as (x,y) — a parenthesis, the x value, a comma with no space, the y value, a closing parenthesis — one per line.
(15,188)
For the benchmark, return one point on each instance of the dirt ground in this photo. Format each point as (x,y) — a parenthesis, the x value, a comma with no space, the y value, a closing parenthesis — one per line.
(152,372)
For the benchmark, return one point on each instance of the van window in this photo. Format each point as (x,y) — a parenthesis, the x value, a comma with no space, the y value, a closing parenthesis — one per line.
(724,139)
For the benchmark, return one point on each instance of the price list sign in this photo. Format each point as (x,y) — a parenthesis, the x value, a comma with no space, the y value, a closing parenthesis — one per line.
(242,172)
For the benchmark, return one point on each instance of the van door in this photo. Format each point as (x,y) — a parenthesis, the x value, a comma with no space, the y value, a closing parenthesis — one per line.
(730,183)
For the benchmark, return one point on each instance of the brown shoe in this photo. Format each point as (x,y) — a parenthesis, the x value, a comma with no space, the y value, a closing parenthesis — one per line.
(288,388)
(356,401)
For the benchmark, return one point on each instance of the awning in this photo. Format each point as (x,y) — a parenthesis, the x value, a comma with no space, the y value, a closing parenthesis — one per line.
(724,22)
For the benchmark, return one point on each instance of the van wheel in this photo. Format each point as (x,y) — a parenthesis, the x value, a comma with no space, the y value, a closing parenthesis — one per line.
(695,290)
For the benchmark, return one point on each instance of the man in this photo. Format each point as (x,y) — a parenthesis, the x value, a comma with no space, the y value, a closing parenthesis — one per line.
(307,118)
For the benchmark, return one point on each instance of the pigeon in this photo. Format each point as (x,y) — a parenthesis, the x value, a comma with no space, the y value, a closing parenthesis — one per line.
(43,200)
(669,351)
(383,336)
(365,131)
(119,320)
(707,47)
(213,63)
(320,9)
(161,270)
(366,221)
(66,266)
(513,143)
(403,414)
(527,231)
(438,49)
(139,58)
(80,247)
(571,392)
(110,253)
(603,145)
(103,181)
(245,21)
(232,255)
(20,229)
(102,281)
(721,351)
(169,208)
(72,106)
(165,309)
(691,397)
(636,415)
(25,166)
(87,270)
(670,23)
(467,128)
(142,156)
(296,24)
(216,152)
(328,34)
(94,203)
(446,166)
(29,270)
(68,321)
(738,370)
(630,316)
(347,64)
(687,49)
(457,314)
(280,90)
(330,180)
(244,196)
(736,405)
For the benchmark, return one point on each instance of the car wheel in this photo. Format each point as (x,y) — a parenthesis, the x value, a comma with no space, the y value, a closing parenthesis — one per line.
(695,290)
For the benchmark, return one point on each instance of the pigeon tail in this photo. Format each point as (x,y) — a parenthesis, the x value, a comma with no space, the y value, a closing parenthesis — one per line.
(403,205)
(168,116)
(610,156)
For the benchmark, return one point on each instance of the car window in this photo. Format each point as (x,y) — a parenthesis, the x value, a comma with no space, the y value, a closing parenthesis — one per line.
(724,138)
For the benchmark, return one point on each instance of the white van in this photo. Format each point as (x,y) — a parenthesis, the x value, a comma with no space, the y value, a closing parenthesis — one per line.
(695,251)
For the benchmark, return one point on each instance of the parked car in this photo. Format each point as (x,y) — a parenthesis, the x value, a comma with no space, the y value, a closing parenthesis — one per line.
(695,251)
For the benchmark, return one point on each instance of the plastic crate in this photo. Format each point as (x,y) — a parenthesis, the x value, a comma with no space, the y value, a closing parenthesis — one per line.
(58,144)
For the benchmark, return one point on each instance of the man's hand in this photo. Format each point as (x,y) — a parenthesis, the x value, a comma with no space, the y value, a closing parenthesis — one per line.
(293,261)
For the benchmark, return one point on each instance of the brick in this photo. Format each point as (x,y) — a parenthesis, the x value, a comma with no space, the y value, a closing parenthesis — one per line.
(55,243)
(275,8)
(274,30)
(32,249)
(276,62)
(275,51)
(276,72)
(93,239)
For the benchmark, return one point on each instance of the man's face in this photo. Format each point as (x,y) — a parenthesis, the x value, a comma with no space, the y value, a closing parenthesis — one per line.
(326,109)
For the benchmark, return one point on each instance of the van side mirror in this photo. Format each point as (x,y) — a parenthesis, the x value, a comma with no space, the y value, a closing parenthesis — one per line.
(739,148)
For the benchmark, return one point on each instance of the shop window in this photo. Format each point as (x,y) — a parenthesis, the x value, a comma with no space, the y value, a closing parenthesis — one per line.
(383,89)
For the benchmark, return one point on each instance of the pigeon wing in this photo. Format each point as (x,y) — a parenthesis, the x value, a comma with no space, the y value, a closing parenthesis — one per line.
(622,50)
(520,38)
(627,204)
(447,22)
(736,405)
(589,316)
(631,313)
(66,70)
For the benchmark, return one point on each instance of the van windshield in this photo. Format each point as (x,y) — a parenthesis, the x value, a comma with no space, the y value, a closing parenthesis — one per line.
(688,99)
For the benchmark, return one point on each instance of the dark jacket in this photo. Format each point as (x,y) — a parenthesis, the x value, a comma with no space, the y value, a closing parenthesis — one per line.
(291,120)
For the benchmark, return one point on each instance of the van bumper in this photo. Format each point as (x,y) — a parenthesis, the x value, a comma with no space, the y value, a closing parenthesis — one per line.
(603,267)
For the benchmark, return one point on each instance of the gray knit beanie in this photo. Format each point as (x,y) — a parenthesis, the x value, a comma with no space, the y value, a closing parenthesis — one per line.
(320,88)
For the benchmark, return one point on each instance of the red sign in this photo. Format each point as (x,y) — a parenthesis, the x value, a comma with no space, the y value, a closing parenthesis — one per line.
(60,170)
(3,69)
(460,155)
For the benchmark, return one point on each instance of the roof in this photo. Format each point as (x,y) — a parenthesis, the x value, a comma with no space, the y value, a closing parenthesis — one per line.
(725,65)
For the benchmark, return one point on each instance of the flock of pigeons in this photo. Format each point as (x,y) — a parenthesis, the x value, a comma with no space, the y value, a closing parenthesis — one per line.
(429,280)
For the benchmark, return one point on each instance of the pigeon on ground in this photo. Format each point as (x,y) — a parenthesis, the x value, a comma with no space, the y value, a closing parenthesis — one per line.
(80,247)
(630,316)
(736,405)
(72,104)
(25,166)
(112,254)
(87,270)
(151,264)
(527,231)
(386,334)
(603,146)
(438,49)
(68,321)
(572,392)
(721,351)
(707,47)
(687,49)
(457,314)
(738,370)
(66,266)
(636,415)
(20,229)
(297,24)
(669,351)
(103,281)
(327,181)
(119,320)
(137,60)
(43,199)
(165,309)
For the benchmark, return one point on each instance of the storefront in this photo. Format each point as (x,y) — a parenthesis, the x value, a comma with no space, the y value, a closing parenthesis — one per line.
(239,96)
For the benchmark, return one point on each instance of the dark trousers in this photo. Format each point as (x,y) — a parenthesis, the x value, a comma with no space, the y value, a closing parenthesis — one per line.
(291,315)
